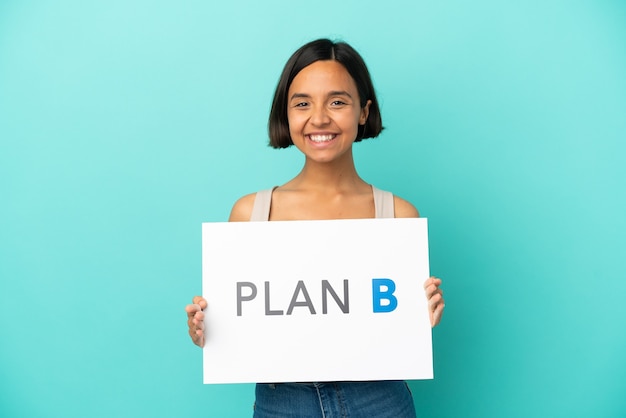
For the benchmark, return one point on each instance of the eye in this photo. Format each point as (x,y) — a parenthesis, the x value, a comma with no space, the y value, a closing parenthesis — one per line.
(338,103)
(301,104)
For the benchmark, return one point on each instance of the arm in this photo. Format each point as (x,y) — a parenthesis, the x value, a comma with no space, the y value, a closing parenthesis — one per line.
(434,294)
(242,209)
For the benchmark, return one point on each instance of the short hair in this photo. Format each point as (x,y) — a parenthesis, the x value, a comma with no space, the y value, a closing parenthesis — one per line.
(323,50)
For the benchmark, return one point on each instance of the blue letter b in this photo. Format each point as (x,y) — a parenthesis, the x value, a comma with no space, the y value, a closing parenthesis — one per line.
(379,295)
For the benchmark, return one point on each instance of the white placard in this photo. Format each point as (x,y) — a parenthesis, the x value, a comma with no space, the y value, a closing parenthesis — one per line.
(302,301)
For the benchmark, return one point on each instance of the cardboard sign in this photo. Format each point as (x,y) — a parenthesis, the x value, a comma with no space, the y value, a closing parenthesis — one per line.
(302,301)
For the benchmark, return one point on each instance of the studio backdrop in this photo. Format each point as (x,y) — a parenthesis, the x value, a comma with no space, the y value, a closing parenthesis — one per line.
(126,124)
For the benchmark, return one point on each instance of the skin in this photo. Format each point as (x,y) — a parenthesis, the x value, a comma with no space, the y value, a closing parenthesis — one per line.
(324,112)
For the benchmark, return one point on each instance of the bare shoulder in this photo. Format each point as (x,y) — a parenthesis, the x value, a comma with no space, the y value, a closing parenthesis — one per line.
(404,208)
(242,209)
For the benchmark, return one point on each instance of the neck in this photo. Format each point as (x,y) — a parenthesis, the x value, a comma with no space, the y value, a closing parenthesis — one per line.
(339,175)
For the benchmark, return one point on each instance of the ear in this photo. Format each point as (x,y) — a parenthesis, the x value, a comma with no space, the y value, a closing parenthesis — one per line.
(365,112)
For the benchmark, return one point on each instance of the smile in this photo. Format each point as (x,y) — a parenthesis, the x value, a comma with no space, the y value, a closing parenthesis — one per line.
(322,138)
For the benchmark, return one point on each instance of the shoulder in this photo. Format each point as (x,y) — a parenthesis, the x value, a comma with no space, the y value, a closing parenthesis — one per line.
(242,209)
(404,208)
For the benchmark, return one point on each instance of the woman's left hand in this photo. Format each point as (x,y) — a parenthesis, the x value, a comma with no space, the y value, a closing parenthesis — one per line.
(434,295)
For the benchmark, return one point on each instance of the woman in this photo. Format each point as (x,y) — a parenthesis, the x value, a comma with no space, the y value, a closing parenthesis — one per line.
(324,102)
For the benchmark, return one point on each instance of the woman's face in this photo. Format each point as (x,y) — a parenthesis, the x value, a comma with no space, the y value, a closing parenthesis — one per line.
(324,111)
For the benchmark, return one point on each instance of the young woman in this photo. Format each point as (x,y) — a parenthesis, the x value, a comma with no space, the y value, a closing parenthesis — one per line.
(324,102)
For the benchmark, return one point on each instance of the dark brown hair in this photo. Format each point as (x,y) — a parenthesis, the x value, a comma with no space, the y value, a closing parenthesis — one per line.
(322,50)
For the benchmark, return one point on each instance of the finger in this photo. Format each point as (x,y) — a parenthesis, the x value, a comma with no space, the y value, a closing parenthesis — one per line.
(432,281)
(196,332)
(428,282)
(192,309)
(432,290)
(193,333)
(196,323)
(198,320)
(197,337)
(199,300)
(431,286)
(200,340)
(436,318)
(195,318)
(434,301)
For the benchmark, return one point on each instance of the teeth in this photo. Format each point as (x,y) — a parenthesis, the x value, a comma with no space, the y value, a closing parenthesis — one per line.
(321,138)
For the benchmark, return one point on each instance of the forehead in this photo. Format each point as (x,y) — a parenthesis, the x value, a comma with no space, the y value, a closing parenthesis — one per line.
(322,76)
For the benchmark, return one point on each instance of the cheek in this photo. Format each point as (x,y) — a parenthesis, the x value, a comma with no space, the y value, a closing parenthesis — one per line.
(351,121)
(295,122)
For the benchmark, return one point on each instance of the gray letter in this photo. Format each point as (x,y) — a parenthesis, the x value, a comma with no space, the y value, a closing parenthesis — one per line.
(326,287)
(307,302)
(241,298)
(267,302)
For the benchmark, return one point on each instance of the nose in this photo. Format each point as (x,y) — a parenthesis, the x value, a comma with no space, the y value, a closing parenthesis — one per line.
(319,116)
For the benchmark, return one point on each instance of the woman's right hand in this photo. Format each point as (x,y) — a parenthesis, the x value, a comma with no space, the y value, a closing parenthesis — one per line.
(195,320)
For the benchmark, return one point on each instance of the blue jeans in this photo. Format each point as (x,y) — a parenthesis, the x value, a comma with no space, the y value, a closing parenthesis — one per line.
(383,399)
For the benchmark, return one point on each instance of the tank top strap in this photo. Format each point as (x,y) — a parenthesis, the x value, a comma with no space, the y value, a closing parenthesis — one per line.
(383,203)
(261,207)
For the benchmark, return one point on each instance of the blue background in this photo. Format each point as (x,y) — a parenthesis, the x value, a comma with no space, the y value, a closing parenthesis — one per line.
(125,124)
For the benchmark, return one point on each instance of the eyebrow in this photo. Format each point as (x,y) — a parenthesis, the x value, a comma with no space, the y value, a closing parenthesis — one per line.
(330,94)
